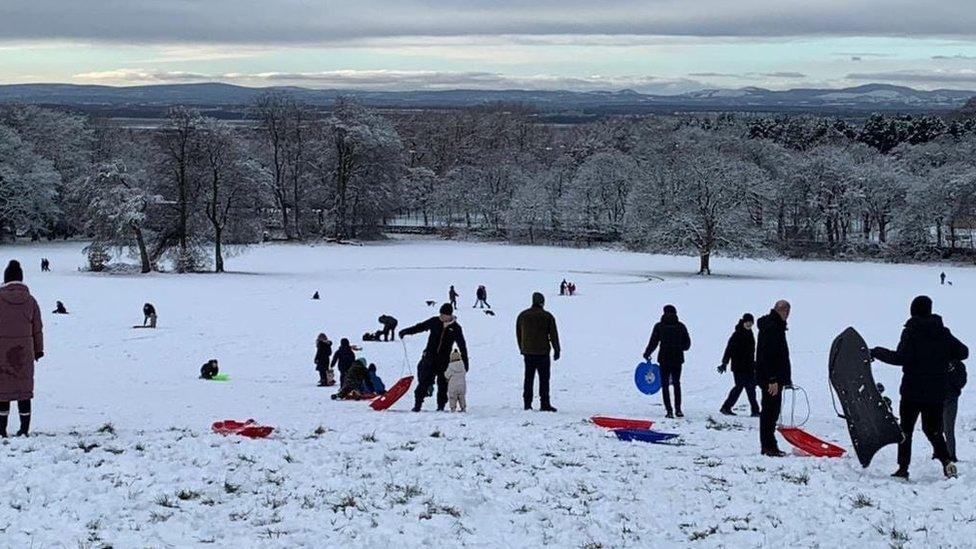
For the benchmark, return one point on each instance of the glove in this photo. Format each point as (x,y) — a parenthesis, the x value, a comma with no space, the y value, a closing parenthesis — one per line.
(722,368)
(555,356)
(401,334)
(38,355)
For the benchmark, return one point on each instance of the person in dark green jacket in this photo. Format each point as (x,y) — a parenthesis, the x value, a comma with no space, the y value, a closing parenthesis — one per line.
(537,335)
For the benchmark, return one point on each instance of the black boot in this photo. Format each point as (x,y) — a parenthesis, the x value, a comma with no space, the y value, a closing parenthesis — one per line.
(24,425)
(3,426)
(417,403)
(900,473)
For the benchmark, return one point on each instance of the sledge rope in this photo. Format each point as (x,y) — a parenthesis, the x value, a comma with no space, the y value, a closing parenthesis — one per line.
(406,358)
(795,389)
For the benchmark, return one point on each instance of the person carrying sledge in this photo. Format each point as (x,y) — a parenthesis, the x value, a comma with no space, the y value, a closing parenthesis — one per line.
(924,353)
(481,298)
(323,356)
(741,352)
(452,297)
(773,372)
(149,315)
(672,337)
(21,344)
(357,382)
(343,357)
(210,369)
(389,328)
(60,309)
(537,335)
(444,333)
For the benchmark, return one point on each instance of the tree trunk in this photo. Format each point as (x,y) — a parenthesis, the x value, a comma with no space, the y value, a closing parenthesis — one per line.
(143,252)
(218,250)
(705,260)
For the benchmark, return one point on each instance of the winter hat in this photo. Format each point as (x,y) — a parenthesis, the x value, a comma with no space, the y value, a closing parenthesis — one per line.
(362,362)
(921,306)
(455,356)
(13,272)
(748,318)
(446,309)
(670,310)
(538,299)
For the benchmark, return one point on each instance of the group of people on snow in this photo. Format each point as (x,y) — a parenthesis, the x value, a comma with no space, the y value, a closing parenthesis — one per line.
(567,288)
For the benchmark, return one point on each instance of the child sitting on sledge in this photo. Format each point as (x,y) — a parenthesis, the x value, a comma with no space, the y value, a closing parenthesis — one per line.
(210,369)
(378,385)
(357,384)
(457,385)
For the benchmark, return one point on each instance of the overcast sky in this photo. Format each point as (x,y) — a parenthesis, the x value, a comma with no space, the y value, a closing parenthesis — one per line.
(658,46)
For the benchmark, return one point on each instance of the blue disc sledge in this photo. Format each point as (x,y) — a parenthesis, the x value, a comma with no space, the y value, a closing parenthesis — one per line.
(647,376)
(643,435)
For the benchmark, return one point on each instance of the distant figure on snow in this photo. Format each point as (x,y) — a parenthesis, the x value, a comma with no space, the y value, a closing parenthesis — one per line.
(773,372)
(443,334)
(323,354)
(316,295)
(942,278)
(457,384)
(741,352)
(45,265)
(389,328)
(60,309)
(562,287)
(537,335)
(452,297)
(21,344)
(672,337)
(343,357)
(481,298)
(210,369)
(149,316)
(925,351)
(572,288)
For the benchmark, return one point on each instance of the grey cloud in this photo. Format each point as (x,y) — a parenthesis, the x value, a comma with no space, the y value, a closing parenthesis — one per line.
(930,77)
(957,57)
(320,22)
(784,74)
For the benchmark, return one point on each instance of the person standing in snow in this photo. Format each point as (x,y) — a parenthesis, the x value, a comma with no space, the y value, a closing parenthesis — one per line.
(343,357)
(457,384)
(672,336)
(389,328)
(562,287)
(942,278)
(924,352)
(773,372)
(45,265)
(957,380)
(323,356)
(149,315)
(21,344)
(537,335)
(443,334)
(452,297)
(741,352)
(481,298)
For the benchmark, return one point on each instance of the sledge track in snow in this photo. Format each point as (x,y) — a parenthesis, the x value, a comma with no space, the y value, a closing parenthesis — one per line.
(643,277)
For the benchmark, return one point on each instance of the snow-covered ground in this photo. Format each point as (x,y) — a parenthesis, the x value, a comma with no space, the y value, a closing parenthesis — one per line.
(339,474)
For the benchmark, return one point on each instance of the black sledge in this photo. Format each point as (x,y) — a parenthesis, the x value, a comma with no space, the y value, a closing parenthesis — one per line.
(869,418)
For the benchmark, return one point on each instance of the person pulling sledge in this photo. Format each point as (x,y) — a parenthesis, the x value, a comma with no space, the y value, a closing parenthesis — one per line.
(925,351)
(444,333)
(21,344)
(60,309)
(741,352)
(672,337)
(210,369)
(389,328)
(357,379)
(481,298)
(149,316)
(323,356)
(343,358)
(773,372)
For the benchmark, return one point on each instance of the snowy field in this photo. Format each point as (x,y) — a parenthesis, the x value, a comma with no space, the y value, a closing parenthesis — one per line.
(123,455)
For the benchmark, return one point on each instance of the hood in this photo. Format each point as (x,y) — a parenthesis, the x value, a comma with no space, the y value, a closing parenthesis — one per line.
(14,293)
(929,323)
(669,318)
(447,320)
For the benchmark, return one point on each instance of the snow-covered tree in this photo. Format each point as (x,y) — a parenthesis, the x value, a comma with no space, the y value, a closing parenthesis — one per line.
(28,187)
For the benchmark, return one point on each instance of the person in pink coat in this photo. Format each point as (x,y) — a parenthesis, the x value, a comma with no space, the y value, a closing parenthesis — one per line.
(21,343)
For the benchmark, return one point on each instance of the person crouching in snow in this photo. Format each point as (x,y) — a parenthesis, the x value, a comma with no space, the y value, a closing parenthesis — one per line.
(924,352)
(60,309)
(323,354)
(378,386)
(457,385)
(21,344)
(149,315)
(344,357)
(210,369)
(357,379)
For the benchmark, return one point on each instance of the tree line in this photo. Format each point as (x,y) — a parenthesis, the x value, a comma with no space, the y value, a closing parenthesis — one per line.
(892,187)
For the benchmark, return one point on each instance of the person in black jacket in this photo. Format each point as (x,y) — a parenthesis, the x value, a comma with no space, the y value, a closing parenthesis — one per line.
(673,338)
(957,380)
(443,334)
(741,352)
(773,372)
(389,328)
(344,357)
(149,314)
(924,352)
(452,296)
(323,356)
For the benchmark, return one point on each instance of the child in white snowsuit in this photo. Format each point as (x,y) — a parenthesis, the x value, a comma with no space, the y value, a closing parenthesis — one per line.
(457,385)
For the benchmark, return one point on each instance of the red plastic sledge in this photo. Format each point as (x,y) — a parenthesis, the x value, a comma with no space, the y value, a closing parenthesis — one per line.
(249,428)
(399,389)
(810,444)
(621,423)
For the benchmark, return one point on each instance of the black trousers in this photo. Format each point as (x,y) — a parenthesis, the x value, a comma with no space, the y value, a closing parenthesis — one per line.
(23,409)
(542,365)
(931,425)
(427,374)
(744,381)
(768,416)
(671,375)
(389,332)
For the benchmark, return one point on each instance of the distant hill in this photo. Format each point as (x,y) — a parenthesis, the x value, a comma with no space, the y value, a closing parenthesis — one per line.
(152,100)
